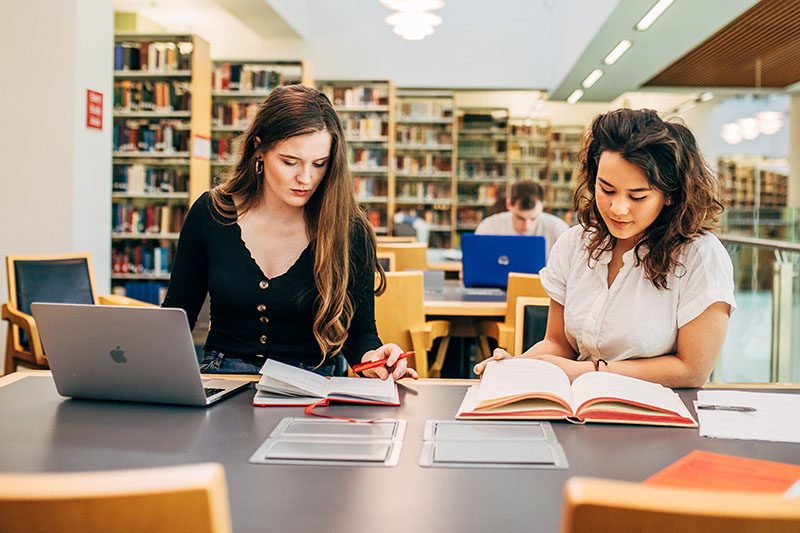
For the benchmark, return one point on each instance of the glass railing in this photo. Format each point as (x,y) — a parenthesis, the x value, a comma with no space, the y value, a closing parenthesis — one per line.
(763,340)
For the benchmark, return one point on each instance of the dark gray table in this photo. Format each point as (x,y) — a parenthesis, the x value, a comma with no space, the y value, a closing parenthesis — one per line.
(41,431)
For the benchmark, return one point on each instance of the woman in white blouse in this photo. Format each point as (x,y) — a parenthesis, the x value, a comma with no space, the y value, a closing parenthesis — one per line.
(640,287)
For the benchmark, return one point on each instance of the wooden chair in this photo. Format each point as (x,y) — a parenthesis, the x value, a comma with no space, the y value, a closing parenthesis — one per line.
(388,261)
(592,505)
(400,317)
(165,499)
(67,278)
(393,239)
(518,285)
(531,322)
(408,256)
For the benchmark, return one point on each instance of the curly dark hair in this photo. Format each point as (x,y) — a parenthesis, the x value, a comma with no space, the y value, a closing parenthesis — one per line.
(668,155)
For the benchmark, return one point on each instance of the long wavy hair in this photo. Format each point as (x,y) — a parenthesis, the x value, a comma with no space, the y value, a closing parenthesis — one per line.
(298,110)
(668,155)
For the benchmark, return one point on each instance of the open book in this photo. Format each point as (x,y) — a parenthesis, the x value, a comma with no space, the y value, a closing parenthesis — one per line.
(286,385)
(533,389)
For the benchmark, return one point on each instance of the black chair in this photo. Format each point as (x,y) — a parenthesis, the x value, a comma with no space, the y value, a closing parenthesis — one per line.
(64,278)
(531,323)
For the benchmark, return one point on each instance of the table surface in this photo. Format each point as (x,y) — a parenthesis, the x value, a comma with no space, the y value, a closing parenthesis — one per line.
(42,431)
(456,301)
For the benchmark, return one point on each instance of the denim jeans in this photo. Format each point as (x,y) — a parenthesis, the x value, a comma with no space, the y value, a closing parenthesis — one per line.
(215,362)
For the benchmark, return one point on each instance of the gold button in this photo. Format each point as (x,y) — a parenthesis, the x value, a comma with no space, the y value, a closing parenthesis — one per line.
(264,284)
(264,319)
(263,339)
(261,307)
(260,355)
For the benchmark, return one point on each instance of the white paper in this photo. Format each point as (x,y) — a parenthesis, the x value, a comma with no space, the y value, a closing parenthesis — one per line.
(519,376)
(776,418)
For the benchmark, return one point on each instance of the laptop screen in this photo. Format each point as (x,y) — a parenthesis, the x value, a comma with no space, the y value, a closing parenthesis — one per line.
(487,259)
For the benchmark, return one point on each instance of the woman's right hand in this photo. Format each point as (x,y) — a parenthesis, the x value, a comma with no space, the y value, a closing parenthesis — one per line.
(497,355)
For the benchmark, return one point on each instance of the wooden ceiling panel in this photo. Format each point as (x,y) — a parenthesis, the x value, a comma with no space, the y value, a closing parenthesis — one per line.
(763,42)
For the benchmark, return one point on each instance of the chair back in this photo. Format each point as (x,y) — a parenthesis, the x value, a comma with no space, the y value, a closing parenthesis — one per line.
(531,322)
(521,285)
(164,499)
(592,505)
(400,308)
(408,255)
(50,278)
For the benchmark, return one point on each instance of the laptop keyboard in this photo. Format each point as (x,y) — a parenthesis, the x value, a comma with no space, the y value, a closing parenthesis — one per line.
(211,391)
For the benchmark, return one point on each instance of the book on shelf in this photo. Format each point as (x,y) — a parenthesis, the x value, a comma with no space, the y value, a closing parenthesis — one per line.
(521,388)
(286,385)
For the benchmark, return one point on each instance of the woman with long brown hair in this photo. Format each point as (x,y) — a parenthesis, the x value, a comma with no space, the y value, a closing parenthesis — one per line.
(284,250)
(640,287)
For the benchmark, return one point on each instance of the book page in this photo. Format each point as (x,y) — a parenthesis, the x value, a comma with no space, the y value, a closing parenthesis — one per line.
(522,377)
(362,388)
(302,380)
(593,385)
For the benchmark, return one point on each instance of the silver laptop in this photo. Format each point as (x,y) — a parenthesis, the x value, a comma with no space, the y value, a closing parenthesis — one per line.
(132,354)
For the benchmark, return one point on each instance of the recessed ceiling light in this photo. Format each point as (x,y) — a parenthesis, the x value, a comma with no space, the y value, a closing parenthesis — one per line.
(617,52)
(653,14)
(592,78)
(575,96)
(705,97)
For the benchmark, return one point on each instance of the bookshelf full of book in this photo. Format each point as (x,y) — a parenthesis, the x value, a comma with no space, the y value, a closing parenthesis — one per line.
(565,147)
(367,110)
(160,154)
(482,164)
(424,162)
(238,87)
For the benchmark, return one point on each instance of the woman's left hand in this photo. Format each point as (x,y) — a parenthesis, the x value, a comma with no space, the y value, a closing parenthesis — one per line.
(571,367)
(398,369)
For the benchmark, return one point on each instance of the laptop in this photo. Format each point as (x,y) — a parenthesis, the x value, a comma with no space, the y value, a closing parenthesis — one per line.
(487,259)
(131,354)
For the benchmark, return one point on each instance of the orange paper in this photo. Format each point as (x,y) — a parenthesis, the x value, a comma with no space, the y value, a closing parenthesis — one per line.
(714,471)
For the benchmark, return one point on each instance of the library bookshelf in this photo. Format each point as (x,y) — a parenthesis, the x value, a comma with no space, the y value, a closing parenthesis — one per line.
(160,156)
(424,162)
(367,110)
(565,146)
(238,87)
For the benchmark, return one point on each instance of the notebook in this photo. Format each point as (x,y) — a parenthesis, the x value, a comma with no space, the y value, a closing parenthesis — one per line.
(487,259)
(132,354)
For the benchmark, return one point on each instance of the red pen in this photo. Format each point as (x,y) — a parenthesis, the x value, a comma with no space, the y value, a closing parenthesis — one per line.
(380,362)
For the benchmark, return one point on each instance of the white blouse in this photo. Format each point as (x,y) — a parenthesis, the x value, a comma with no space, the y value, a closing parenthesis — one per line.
(633,318)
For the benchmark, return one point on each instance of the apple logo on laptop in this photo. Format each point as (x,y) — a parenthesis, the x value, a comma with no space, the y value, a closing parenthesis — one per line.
(118,355)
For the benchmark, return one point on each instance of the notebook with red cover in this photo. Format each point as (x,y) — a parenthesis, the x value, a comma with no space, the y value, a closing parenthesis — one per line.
(531,389)
(286,385)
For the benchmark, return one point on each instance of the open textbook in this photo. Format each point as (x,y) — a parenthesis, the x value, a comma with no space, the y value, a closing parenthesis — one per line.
(286,385)
(522,388)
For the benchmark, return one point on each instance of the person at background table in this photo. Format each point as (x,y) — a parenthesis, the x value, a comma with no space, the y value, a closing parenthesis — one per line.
(525,216)
(284,250)
(641,283)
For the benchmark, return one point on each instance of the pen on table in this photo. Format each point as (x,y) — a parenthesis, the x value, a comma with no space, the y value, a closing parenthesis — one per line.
(380,362)
(737,408)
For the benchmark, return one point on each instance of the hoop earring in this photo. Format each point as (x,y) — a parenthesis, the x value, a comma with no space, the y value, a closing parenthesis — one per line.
(259,167)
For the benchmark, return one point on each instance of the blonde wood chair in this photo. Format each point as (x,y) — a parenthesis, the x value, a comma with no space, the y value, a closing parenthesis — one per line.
(518,285)
(408,255)
(388,261)
(400,317)
(66,278)
(596,505)
(165,499)
(519,327)
(394,238)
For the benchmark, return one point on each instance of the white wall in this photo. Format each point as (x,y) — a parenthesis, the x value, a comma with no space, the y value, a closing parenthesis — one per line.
(56,184)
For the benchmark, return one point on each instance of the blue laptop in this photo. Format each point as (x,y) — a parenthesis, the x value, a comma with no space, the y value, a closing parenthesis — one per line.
(487,259)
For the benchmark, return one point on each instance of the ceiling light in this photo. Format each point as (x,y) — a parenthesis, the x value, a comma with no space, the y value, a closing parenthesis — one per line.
(685,106)
(411,21)
(617,52)
(730,133)
(748,127)
(653,14)
(592,78)
(414,19)
(575,96)
(769,122)
(705,97)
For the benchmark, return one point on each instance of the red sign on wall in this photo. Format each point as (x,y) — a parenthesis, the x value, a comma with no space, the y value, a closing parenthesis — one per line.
(94,109)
